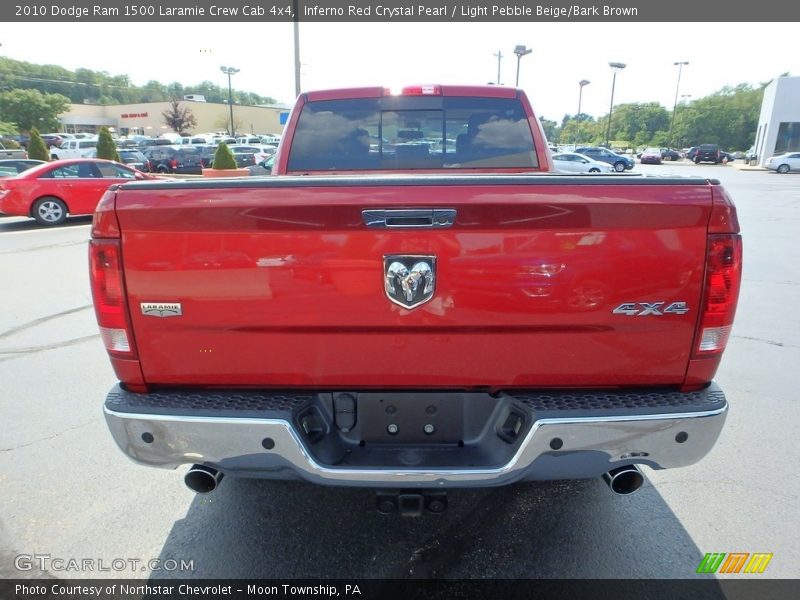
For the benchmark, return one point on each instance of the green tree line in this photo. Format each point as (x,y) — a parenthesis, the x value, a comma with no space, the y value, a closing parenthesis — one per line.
(99,87)
(728,117)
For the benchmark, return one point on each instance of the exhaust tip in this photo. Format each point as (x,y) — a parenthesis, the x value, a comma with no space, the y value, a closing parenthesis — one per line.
(202,479)
(624,480)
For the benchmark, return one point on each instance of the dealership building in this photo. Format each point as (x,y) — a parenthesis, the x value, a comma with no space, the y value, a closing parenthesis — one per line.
(147,118)
(779,124)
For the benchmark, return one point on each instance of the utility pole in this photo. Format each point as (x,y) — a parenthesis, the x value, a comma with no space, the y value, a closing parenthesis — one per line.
(499,56)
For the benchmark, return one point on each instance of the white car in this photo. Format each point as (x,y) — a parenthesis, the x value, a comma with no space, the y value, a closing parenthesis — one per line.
(783,163)
(572,162)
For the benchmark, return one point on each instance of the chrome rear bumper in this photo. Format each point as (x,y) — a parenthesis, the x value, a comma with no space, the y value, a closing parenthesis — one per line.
(552,447)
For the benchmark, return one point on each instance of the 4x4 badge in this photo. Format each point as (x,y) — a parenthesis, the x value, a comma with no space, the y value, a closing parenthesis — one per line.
(643,309)
(408,280)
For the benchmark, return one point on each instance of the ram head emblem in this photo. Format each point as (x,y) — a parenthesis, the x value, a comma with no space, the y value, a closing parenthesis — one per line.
(409,281)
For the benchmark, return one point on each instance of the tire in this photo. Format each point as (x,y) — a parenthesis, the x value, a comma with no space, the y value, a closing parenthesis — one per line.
(162,169)
(619,167)
(49,211)
(594,170)
(783,169)
(697,161)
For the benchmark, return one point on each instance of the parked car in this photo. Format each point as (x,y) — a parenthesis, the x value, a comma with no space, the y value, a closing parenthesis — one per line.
(245,156)
(618,161)
(751,154)
(52,140)
(268,163)
(670,154)
(74,149)
(22,140)
(14,152)
(14,166)
(133,158)
(50,191)
(196,140)
(705,153)
(130,156)
(174,159)
(248,139)
(579,163)
(150,142)
(784,163)
(271,139)
(651,156)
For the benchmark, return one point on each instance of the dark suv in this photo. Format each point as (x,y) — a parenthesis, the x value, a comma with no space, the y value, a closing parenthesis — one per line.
(174,159)
(707,153)
(618,161)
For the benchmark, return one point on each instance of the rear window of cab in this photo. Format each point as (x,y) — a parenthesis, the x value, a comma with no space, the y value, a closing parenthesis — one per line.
(405,133)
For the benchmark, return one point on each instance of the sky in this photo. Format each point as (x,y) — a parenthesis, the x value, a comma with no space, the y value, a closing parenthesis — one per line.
(395,54)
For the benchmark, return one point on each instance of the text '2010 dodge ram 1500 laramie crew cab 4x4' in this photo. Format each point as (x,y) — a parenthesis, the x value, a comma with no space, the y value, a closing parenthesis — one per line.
(416,301)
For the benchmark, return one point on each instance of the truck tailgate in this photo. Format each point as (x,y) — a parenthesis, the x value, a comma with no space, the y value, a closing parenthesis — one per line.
(540,281)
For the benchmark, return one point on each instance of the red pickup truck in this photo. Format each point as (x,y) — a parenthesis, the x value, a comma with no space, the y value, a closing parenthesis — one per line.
(416,301)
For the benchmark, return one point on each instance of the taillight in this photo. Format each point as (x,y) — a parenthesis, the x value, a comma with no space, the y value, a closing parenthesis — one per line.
(720,294)
(108,292)
(108,286)
(173,164)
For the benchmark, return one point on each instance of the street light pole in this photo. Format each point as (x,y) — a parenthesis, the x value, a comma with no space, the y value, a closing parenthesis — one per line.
(581,83)
(520,51)
(296,47)
(499,56)
(616,66)
(230,71)
(680,65)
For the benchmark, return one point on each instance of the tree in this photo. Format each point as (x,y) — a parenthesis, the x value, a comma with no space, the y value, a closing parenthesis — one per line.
(223,157)
(728,117)
(580,129)
(179,119)
(638,122)
(550,129)
(106,147)
(8,128)
(37,149)
(31,108)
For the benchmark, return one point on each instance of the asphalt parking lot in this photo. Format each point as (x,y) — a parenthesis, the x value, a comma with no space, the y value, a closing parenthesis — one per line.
(67,491)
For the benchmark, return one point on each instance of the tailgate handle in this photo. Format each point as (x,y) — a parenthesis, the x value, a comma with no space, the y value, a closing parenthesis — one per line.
(409,217)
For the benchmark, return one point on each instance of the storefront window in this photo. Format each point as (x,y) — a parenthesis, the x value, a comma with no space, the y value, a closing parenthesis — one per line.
(788,138)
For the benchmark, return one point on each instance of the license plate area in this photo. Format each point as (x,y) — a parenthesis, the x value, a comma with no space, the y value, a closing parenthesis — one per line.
(418,418)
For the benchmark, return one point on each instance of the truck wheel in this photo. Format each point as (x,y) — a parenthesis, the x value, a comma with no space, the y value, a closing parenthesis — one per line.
(49,211)
(619,167)
(162,169)
(783,169)
(697,161)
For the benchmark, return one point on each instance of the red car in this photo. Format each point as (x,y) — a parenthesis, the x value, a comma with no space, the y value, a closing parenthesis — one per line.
(651,156)
(50,191)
